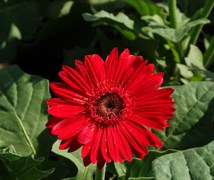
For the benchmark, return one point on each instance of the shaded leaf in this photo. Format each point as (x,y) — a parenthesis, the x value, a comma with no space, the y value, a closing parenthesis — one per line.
(23,168)
(196,163)
(59,8)
(16,25)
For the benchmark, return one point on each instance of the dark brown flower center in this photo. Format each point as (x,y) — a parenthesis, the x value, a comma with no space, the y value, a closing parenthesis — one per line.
(109,105)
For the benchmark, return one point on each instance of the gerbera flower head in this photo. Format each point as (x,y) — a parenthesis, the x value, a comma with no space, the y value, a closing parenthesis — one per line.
(108,107)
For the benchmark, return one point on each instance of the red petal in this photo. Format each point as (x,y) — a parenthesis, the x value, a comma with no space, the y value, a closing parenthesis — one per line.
(69,127)
(86,134)
(104,149)
(63,111)
(101,163)
(151,84)
(74,79)
(110,144)
(95,67)
(111,64)
(74,145)
(64,92)
(87,160)
(138,148)
(65,143)
(52,122)
(122,65)
(86,149)
(141,74)
(56,101)
(154,123)
(144,136)
(154,95)
(134,69)
(95,148)
(125,149)
(116,143)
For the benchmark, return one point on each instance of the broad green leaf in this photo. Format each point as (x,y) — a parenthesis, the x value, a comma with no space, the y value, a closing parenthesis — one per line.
(19,21)
(194,58)
(27,168)
(23,112)
(184,70)
(9,153)
(22,168)
(195,163)
(174,35)
(141,178)
(142,168)
(83,173)
(192,124)
(121,22)
(120,18)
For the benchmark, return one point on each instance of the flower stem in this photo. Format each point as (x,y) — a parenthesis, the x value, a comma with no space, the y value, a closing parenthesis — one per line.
(172,4)
(100,173)
(172,13)
(205,13)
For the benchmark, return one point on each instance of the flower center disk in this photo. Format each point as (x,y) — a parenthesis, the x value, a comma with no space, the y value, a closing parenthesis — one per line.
(109,105)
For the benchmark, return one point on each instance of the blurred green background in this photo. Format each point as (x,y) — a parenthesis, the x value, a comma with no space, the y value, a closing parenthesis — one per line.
(41,35)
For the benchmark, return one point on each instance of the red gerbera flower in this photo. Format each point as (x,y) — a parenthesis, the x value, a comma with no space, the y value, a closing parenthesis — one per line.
(108,107)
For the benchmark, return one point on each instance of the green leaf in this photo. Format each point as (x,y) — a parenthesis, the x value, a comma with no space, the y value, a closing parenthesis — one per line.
(59,8)
(145,7)
(141,168)
(196,163)
(121,170)
(174,35)
(184,70)
(192,124)
(19,167)
(121,22)
(16,24)
(141,178)
(9,153)
(23,112)
(83,173)
(194,58)
(26,168)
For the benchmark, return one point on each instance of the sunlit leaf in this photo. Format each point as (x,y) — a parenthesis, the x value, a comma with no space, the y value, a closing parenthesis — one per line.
(23,112)
(192,124)
(196,163)
(83,172)
(194,58)
(174,35)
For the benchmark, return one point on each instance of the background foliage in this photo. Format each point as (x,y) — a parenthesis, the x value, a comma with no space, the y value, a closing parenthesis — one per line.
(38,36)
